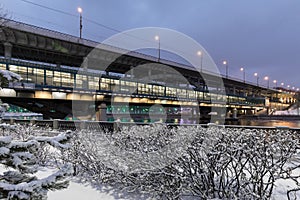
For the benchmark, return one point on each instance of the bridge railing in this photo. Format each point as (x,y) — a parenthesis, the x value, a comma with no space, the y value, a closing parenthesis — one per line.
(111,126)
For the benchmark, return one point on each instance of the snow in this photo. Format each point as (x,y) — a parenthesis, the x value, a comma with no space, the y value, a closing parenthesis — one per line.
(5,139)
(4,151)
(20,144)
(20,114)
(10,75)
(75,191)
(55,141)
(79,191)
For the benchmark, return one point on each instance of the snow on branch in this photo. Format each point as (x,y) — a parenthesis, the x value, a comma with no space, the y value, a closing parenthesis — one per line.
(168,163)
(33,188)
(22,154)
(58,141)
(10,76)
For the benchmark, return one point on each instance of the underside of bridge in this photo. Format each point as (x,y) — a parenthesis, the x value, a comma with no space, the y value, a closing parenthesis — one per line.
(51,109)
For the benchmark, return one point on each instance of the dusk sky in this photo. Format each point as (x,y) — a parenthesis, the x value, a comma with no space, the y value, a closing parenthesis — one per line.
(261,36)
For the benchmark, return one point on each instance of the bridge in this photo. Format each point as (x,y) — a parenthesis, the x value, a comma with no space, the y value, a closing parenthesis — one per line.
(58,79)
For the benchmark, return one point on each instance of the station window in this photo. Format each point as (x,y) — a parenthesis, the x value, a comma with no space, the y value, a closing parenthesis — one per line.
(40,76)
(49,77)
(191,94)
(93,82)
(81,81)
(66,79)
(144,88)
(56,78)
(158,90)
(171,92)
(181,93)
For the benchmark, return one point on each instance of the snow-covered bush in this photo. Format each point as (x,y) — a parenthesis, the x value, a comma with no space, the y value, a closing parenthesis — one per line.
(19,155)
(170,163)
(8,76)
(238,163)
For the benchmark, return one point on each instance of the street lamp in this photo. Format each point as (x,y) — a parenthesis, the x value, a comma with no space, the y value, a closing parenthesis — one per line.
(79,9)
(256,75)
(275,82)
(244,74)
(267,79)
(282,84)
(158,39)
(199,53)
(226,64)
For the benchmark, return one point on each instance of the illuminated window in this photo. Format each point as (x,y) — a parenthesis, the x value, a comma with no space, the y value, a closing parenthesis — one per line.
(2,66)
(81,81)
(93,83)
(49,77)
(158,90)
(170,92)
(66,79)
(144,88)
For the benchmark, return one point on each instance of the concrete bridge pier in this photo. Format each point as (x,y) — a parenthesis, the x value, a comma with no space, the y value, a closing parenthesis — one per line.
(234,113)
(7,50)
(101,113)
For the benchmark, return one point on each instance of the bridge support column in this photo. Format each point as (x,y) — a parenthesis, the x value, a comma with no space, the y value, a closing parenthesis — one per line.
(12,121)
(7,50)
(234,113)
(55,124)
(101,113)
(228,114)
(32,121)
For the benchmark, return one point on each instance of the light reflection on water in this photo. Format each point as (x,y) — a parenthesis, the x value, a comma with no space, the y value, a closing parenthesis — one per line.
(274,123)
(242,122)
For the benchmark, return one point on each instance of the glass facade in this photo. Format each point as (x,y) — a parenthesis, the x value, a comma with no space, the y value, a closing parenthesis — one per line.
(63,77)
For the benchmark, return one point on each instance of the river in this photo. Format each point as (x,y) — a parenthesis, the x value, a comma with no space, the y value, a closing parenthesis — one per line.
(274,123)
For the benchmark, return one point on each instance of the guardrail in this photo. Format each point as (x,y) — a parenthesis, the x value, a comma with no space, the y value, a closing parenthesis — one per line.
(111,126)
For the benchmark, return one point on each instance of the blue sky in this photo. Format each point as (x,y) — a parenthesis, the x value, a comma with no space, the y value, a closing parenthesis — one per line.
(262,36)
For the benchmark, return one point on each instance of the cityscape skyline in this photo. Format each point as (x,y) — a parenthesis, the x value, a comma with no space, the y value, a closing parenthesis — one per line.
(260,37)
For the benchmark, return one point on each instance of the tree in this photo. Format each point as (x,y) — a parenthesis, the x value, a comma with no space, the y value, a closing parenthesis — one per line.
(20,158)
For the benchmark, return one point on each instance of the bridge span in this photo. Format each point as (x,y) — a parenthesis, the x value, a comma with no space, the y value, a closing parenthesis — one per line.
(55,85)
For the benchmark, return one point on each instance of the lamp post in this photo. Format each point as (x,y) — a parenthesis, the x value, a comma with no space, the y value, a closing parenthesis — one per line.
(267,79)
(199,53)
(158,39)
(256,75)
(244,74)
(226,65)
(275,82)
(79,9)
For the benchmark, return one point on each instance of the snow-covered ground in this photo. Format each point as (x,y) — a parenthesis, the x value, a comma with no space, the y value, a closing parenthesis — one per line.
(79,191)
